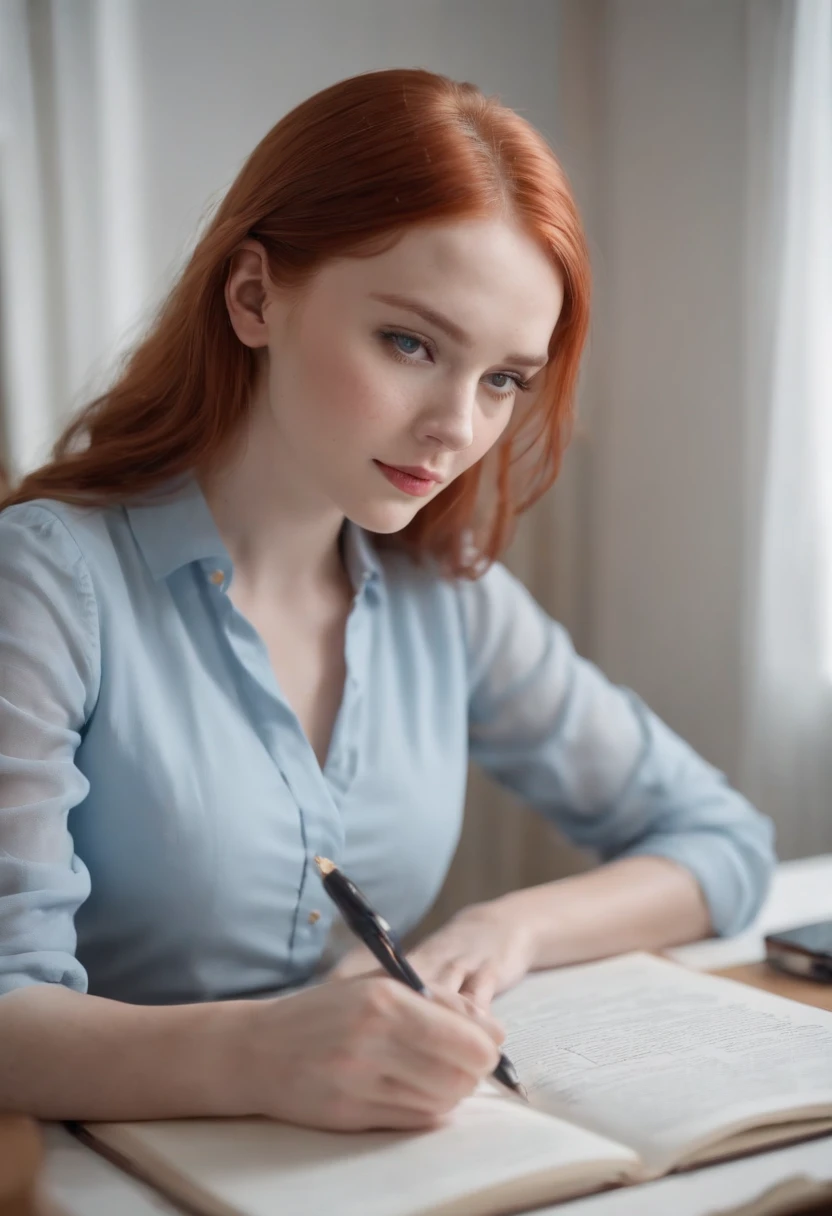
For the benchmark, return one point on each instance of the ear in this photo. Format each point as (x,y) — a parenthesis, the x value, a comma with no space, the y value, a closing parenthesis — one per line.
(245,293)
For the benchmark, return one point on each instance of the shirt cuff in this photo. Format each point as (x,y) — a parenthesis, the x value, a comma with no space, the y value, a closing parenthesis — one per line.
(734,884)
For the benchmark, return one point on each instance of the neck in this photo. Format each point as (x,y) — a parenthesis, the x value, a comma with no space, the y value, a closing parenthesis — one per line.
(282,537)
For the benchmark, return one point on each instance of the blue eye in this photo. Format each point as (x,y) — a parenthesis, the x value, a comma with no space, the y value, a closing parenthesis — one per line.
(407,345)
(400,341)
(510,383)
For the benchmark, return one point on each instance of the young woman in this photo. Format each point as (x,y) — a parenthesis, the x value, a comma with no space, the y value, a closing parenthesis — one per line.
(251,611)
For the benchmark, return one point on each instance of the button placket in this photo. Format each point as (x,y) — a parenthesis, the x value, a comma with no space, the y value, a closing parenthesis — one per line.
(276,725)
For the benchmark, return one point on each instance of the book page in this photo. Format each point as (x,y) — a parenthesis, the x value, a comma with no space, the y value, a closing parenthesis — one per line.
(753,1186)
(664,1059)
(493,1155)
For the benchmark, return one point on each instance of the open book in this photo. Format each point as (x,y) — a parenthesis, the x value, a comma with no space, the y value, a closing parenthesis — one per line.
(635,1067)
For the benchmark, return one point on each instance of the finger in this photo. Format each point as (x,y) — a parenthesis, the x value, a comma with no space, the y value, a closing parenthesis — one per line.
(393,1020)
(435,1064)
(382,1117)
(463,1002)
(433,1060)
(347,1114)
(424,1084)
(480,986)
(431,961)
(451,975)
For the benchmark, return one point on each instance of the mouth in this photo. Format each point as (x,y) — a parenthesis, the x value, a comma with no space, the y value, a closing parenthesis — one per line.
(415,481)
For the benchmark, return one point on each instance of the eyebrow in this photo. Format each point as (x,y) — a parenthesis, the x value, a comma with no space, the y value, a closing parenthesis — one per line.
(450,327)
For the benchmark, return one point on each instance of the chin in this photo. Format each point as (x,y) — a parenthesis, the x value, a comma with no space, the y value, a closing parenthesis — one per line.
(383,517)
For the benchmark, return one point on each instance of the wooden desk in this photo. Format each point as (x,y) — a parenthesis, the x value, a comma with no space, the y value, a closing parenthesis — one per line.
(760,975)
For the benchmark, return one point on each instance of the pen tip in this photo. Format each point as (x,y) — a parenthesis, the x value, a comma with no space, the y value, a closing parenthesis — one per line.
(324,864)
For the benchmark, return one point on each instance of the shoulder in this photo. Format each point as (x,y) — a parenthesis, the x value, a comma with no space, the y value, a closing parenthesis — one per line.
(497,606)
(492,601)
(47,518)
(46,531)
(425,578)
(48,605)
(491,619)
(35,534)
(59,547)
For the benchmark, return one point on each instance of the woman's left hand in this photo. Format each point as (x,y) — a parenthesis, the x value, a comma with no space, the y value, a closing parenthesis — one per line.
(482,950)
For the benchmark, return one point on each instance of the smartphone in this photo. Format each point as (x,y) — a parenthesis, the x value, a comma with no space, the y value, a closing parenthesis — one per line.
(805,951)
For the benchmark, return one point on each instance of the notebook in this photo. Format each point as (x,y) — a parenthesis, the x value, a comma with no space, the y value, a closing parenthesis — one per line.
(635,1067)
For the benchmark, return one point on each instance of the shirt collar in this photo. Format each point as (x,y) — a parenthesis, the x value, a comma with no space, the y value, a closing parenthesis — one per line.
(173,527)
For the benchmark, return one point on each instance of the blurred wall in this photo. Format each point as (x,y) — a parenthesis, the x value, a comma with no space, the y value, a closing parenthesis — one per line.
(667,546)
(215,76)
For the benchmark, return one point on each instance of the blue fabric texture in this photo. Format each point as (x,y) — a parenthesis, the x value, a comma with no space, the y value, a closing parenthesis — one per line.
(160,805)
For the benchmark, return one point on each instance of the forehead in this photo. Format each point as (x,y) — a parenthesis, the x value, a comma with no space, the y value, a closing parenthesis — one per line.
(488,275)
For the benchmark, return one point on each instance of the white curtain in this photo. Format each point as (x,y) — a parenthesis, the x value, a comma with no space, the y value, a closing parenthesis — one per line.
(787,754)
(72,287)
(27,352)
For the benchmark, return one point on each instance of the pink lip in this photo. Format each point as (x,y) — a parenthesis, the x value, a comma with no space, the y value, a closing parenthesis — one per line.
(415,470)
(413,480)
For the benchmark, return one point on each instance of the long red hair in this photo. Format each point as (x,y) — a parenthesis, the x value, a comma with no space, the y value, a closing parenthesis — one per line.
(342,174)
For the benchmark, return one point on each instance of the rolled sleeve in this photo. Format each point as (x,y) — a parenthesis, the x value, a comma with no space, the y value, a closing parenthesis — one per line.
(596,761)
(48,686)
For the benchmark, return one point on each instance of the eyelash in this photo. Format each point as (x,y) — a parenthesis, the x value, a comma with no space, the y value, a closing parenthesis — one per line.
(389,336)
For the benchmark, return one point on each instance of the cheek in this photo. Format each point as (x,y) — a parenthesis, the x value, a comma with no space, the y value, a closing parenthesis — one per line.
(346,389)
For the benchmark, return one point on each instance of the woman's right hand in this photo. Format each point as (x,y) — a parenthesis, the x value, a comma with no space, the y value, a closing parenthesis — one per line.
(364,1053)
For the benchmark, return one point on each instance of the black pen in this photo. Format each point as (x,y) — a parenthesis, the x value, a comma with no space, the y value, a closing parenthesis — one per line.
(377,936)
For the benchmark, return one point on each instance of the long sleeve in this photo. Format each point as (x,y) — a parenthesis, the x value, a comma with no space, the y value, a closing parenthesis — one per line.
(595,760)
(49,673)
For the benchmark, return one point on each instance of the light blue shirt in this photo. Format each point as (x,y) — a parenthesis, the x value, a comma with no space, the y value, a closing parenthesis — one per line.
(160,805)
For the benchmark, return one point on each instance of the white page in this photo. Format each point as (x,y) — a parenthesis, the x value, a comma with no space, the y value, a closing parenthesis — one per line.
(717,1189)
(81,1183)
(658,1057)
(259,1168)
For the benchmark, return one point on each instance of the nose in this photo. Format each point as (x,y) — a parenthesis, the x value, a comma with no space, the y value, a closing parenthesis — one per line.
(449,418)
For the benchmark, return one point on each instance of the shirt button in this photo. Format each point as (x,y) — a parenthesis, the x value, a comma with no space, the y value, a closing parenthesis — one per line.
(217,577)
(314,917)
